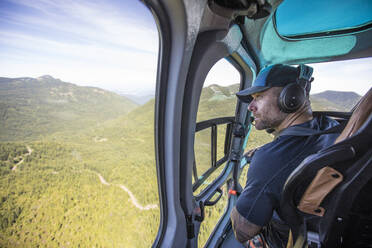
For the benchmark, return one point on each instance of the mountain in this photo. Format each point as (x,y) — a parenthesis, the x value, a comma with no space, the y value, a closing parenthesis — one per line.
(35,107)
(335,100)
(217,101)
(140,100)
(324,101)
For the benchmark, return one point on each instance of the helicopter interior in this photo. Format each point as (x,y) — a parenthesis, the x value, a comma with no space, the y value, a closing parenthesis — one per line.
(251,35)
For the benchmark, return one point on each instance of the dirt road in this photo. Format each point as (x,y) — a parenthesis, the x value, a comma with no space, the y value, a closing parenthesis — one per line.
(133,199)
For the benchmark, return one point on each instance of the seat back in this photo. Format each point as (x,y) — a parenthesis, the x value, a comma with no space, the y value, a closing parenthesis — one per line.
(327,200)
(361,113)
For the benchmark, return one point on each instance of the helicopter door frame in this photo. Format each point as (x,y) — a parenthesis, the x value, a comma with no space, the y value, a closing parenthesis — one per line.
(183,64)
(205,55)
(248,71)
(171,77)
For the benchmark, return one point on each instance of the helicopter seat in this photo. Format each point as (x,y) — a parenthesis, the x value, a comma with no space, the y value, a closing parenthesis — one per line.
(327,200)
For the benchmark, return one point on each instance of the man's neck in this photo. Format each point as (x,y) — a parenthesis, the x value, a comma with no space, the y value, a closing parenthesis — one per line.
(300,116)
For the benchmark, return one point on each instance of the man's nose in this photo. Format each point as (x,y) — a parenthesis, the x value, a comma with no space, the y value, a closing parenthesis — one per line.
(252,106)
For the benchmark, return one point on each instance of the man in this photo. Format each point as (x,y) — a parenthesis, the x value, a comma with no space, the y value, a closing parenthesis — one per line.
(279,102)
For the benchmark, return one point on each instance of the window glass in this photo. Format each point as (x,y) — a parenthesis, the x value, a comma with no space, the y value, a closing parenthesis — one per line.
(321,16)
(217,100)
(338,86)
(221,136)
(218,95)
(202,152)
(77,163)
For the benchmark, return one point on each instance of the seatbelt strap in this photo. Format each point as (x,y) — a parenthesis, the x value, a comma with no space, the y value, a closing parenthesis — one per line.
(304,131)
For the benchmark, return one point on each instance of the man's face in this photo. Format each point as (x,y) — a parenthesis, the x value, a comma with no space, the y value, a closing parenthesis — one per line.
(264,107)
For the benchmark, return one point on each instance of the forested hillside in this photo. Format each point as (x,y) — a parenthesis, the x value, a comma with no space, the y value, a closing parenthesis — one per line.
(72,190)
(34,107)
(217,101)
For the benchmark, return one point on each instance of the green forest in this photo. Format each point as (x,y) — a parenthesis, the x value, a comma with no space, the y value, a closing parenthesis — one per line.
(77,164)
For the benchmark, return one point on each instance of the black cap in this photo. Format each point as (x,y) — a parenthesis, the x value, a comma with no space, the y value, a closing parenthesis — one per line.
(273,76)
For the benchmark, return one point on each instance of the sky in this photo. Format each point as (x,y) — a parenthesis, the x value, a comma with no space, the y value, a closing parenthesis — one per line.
(114,45)
(108,44)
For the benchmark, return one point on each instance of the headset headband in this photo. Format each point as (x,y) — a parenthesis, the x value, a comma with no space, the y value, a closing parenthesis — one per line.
(304,75)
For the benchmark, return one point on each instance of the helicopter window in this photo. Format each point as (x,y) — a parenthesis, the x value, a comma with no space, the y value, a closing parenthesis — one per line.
(336,89)
(77,162)
(216,110)
(315,17)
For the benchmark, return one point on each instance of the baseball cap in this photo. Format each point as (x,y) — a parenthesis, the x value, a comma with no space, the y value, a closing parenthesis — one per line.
(278,75)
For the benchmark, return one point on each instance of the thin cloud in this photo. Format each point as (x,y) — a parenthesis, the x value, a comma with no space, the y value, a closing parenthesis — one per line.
(81,42)
(106,45)
(93,23)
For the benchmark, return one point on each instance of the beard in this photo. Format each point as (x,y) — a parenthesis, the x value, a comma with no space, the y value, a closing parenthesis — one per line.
(269,122)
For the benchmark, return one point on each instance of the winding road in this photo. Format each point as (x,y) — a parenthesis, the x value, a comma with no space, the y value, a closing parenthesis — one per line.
(23,158)
(133,199)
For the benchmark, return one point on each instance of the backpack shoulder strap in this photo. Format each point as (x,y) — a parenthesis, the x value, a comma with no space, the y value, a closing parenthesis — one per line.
(304,131)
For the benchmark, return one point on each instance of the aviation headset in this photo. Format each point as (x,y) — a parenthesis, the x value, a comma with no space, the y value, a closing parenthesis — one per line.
(294,95)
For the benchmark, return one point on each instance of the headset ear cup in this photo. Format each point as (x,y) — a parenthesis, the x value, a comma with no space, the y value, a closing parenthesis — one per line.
(291,98)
